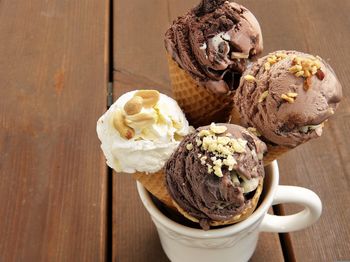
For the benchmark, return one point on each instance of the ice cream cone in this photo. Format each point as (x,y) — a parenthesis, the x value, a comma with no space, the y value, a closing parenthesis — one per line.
(278,96)
(235,117)
(200,106)
(235,219)
(155,184)
(274,152)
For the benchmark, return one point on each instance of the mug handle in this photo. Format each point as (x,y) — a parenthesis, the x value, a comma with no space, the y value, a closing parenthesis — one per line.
(298,195)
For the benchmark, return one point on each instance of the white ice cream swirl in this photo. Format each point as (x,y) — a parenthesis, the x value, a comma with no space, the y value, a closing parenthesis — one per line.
(141,130)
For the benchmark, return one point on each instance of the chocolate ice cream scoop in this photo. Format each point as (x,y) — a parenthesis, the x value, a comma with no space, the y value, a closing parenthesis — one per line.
(215,171)
(213,43)
(287,96)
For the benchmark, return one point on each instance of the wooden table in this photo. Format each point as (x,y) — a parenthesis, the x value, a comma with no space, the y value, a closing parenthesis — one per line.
(58,200)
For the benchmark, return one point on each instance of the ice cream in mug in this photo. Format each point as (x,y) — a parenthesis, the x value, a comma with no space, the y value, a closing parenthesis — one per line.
(216,174)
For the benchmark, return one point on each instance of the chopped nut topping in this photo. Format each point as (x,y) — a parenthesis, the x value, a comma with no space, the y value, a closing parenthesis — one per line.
(230,162)
(306,67)
(223,140)
(295,68)
(299,73)
(217,129)
(273,59)
(133,106)
(320,74)
(221,148)
(218,162)
(203,159)
(249,78)
(213,147)
(267,66)
(314,70)
(239,145)
(263,96)
(307,83)
(121,126)
(218,171)
(210,168)
(150,97)
(281,55)
(287,98)
(292,94)
(204,133)
(189,146)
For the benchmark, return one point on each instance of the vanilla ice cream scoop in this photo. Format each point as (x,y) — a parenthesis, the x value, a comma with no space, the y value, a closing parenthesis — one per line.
(140,131)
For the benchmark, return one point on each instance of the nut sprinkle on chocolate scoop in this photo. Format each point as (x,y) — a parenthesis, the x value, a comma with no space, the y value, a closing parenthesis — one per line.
(292,95)
(214,170)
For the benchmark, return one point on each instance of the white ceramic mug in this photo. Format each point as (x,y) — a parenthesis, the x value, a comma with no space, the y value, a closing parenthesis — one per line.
(236,242)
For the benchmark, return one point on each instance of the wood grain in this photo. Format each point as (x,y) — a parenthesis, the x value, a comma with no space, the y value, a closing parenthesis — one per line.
(140,62)
(53,71)
(135,237)
(139,51)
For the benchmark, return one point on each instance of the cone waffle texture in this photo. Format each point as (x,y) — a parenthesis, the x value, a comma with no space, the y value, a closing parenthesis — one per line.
(274,152)
(200,106)
(235,117)
(155,184)
(235,219)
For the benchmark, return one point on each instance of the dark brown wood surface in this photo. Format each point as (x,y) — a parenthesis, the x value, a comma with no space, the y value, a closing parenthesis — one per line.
(53,78)
(140,62)
(54,185)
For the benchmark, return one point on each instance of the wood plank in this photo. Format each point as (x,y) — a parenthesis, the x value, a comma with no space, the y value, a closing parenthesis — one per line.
(135,237)
(268,249)
(139,27)
(53,71)
(139,62)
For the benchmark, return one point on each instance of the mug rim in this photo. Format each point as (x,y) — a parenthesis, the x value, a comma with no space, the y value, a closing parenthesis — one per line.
(157,215)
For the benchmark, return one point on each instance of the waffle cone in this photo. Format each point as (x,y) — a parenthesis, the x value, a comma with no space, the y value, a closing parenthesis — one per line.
(235,117)
(200,106)
(155,184)
(274,152)
(235,219)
